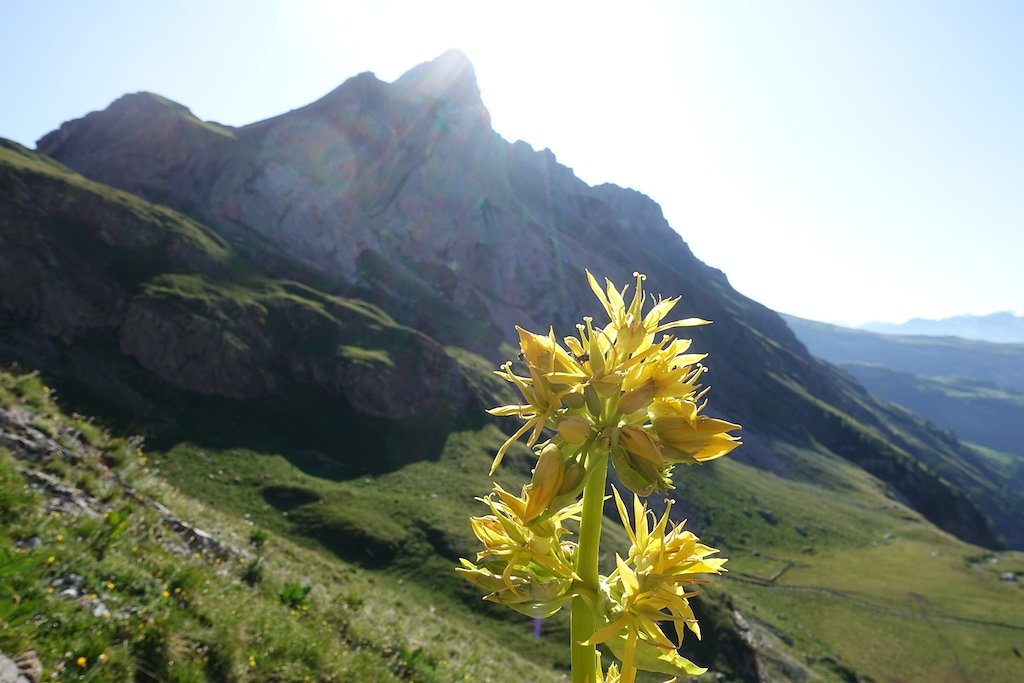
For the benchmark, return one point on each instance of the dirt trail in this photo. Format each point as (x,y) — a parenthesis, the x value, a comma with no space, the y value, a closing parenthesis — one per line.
(860,602)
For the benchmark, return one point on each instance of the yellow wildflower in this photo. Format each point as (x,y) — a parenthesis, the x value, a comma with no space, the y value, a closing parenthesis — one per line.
(650,587)
(615,391)
(689,437)
(525,566)
(630,328)
(81,662)
(544,355)
(667,372)
(599,360)
(545,484)
(639,443)
(542,404)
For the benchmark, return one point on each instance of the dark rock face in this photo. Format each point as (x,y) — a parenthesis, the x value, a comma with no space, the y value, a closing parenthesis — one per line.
(402,195)
(80,264)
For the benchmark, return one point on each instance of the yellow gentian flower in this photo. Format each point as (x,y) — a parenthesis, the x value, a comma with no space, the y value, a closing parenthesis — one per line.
(687,436)
(650,587)
(631,329)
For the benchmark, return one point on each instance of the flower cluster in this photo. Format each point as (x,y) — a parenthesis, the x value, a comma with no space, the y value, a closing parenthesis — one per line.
(629,392)
(622,387)
(650,587)
(519,567)
(525,562)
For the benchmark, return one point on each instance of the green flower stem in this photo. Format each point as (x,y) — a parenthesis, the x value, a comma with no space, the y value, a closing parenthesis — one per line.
(584,657)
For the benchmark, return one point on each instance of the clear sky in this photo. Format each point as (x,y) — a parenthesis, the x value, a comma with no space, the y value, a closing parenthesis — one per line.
(841,161)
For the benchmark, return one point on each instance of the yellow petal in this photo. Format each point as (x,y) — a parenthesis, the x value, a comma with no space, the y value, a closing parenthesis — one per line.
(608,631)
(627,577)
(508,411)
(599,293)
(623,515)
(716,447)
(505,446)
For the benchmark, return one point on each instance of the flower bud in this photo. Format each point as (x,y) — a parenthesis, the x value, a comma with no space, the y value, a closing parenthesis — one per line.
(689,437)
(574,429)
(520,589)
(639,443)
(572,480)
(637,399)
(637,474)
(593,401)
(547,480)
(543,352)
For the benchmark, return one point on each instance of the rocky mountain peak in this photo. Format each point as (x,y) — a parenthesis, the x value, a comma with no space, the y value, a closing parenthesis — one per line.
(360,93)
(140,113)
(450,78)
(149,103)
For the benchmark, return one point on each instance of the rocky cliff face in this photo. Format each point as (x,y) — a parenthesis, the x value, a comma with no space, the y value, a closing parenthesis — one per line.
(410,170)
(86,267)
(403,195)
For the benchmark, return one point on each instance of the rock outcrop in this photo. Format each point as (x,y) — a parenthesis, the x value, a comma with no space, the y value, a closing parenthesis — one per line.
(84,266)
(25,668)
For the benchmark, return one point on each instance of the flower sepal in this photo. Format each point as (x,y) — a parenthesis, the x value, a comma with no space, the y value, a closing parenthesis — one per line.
(527,594)
(649,657)
(639,475)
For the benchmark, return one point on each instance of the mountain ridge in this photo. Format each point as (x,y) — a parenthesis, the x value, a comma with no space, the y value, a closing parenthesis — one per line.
(1003,327)
(999,364)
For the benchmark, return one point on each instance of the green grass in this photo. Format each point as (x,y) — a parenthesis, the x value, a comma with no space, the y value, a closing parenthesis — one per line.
(192,617)
(848,543)
(16,159)
(871,586)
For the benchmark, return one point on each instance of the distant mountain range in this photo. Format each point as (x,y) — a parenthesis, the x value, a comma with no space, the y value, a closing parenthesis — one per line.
(1000,365)
(314,303)
(1002,327)
(974,388)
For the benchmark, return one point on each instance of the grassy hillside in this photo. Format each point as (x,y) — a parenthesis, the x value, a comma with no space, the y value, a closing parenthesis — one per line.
(963,388)
(851,581)
(977,411)
(821,577)
(111,574)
